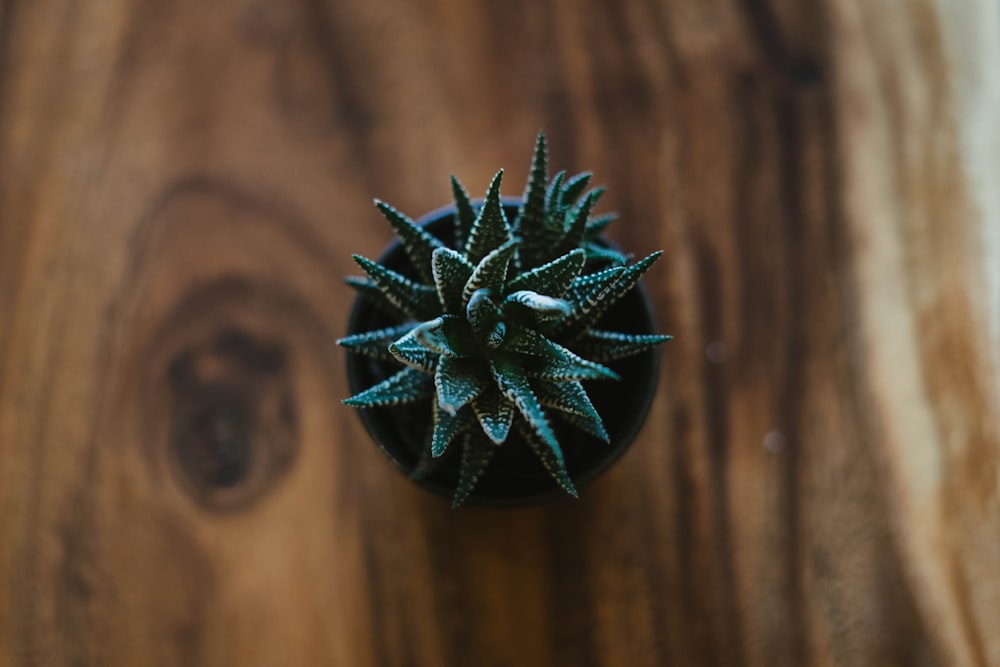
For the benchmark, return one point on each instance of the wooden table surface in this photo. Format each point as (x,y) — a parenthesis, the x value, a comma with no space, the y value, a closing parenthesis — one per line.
(182,184)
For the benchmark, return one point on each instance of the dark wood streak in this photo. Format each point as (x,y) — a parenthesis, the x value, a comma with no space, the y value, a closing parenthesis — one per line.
(76,585)
(556,101)
(373,578)
(794,71)
(572,632)
(659,587)
(456,618)
(696,635)
(498,22)
(355,112)
(792,385)
(379,611)
(717,429)
(773,307)
(622,95)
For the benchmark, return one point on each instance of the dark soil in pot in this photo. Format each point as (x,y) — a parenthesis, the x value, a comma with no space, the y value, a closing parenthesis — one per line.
(515,476)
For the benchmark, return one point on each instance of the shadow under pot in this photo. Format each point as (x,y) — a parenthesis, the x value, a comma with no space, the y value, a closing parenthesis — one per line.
(514,476)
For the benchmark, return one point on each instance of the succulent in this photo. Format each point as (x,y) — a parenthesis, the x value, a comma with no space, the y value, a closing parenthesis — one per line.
(498,326)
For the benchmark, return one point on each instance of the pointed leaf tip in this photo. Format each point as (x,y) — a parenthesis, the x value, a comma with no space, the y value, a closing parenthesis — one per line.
(476,455)
(446,427)
(491,228)
(575,186)
(495,415)
(601,346)
(375,343)
(554,278)
(465,215)
(576,224)
(570,367)
(531,216)
(549,453)
(405,386)
(415,299)
(417,243)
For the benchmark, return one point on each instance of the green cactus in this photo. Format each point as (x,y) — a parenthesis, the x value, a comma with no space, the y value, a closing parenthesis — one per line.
(499,327)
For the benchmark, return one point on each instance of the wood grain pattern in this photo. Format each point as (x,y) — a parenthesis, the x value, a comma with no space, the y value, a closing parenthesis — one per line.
(182,184)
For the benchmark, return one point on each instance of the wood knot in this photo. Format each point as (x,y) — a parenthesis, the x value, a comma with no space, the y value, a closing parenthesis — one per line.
(233,420)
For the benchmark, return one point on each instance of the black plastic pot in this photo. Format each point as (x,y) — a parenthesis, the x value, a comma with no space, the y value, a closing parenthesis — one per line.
(515,476)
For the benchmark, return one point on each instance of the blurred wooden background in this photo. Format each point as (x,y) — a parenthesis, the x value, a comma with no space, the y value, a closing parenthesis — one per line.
(182,184)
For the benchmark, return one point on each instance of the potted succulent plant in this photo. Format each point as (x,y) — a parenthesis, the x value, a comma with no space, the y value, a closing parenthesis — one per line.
(473,336)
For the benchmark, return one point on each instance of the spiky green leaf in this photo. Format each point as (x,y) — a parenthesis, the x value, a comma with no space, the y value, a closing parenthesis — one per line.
(589,281)
(408,350)
(574,188)
(465,214)
(418,301)
(451,272)
(406,386)
(550,454)
(544,308)
(590,426)
(427,464)
(565,396)
(448,335)
(587,290)
(601,253)
(476,454)
(595,194)
(516,388)
(552,279)
(460,381)
(585,293)
(582,319)
(490,230)
(555,211)
(602,346)
(531,217)
(370,292)
(491,272)
(597,224)
(418,244)
(576,224)
(541,237)
(571,367)
(495,414)
(446,427)
(375,344)
(528,341)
